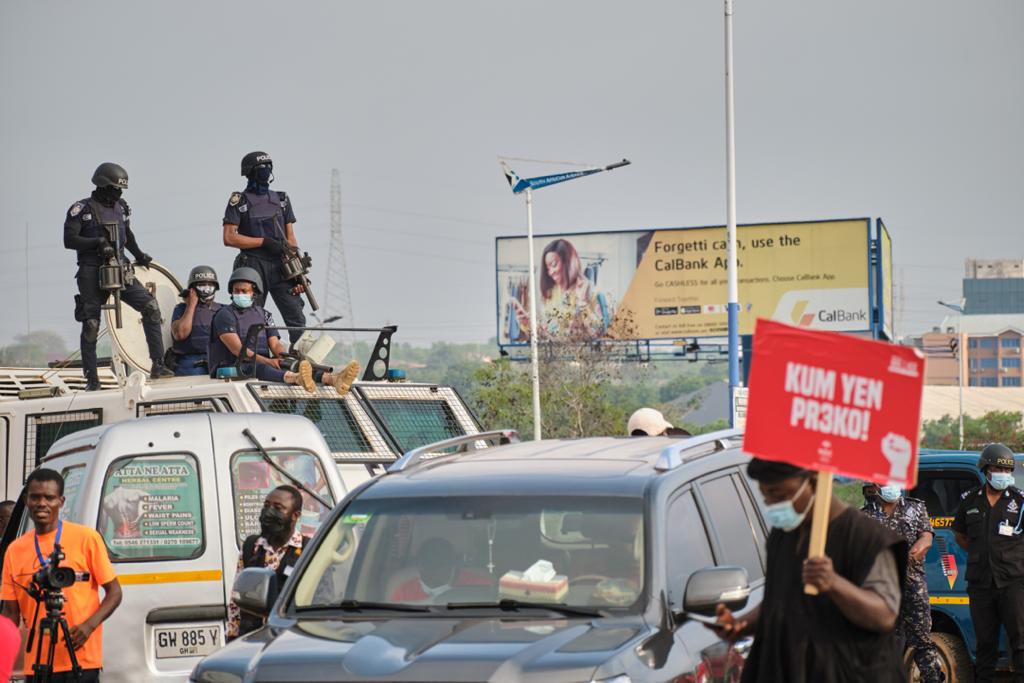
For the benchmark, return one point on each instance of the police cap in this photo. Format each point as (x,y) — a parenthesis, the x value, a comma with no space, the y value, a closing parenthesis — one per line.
(109,174)
(246,274)
(254,159)
(203,275)
(995,455)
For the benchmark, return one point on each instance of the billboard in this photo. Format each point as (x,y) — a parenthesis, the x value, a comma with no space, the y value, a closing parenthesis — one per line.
(885,279)
(672,283)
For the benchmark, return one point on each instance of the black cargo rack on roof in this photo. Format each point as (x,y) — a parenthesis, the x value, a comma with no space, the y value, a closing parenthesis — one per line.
(460,444)
(694,447)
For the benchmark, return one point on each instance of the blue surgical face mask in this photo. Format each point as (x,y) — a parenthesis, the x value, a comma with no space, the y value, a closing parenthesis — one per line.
(1000,481)
(242,300)
(890,494)
(783,516)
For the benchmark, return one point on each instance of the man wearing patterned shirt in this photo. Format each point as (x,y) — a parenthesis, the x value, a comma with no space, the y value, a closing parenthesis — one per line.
(277,547)
(908,517)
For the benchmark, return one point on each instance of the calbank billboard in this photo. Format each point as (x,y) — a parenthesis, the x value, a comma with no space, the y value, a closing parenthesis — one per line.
(672,283)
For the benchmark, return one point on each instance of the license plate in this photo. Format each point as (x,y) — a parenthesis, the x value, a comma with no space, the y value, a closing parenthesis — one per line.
(195,641)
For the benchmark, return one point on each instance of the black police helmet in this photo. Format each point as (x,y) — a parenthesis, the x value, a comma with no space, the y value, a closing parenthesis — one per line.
(246,274)
(203,275)
(995,455)
(109,174)
(254,159)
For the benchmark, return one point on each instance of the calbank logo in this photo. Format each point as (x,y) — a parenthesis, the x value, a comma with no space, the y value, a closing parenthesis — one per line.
(825,309)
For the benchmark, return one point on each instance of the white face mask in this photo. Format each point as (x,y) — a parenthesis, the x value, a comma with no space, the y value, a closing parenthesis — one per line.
(205,292)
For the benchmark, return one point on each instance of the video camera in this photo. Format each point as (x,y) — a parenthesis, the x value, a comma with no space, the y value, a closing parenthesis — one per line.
(52,577)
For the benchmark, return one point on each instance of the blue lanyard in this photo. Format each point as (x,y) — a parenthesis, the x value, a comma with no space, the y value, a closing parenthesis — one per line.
(39,553)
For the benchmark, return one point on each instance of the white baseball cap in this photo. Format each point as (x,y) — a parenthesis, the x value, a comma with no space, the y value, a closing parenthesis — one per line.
(649,421)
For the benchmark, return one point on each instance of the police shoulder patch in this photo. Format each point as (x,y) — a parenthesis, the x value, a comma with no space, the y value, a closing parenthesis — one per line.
(283,196)
(236,197)
(76,209)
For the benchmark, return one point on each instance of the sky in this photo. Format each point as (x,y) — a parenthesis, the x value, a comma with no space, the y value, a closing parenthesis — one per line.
(909,111)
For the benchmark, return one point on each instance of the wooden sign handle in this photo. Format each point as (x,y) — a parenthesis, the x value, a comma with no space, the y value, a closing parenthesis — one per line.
(819,522)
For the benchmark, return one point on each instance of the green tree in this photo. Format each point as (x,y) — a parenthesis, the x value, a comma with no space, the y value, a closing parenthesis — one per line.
(996,426)
(35,349)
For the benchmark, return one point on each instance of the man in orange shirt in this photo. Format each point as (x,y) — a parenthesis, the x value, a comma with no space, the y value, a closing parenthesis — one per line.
(84,551)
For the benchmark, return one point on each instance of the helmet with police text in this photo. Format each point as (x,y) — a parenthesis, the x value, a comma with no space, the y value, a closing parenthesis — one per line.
(109,174)
(246,274)
(203,275)
(995,455)
(254,159)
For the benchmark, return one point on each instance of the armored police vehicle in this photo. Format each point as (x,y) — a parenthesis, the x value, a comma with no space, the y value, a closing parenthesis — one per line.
(378,420)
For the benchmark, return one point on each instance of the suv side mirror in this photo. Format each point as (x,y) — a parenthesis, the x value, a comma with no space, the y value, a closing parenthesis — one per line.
(708,588)
(255,591)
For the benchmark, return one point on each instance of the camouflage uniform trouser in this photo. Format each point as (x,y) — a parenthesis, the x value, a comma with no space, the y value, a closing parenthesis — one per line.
(915,626)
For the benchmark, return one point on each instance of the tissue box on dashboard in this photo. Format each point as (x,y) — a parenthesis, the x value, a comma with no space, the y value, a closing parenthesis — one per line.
(515,585)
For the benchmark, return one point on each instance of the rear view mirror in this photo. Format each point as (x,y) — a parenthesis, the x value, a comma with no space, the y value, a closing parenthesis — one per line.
(708,588)
(255,591)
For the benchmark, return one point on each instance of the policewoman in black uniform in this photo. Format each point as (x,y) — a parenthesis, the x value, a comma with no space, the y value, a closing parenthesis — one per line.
(85,231)
(191,321)
(260,222)
(989,524)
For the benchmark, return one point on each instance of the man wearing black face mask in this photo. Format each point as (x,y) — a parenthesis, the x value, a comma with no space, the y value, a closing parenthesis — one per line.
(99,229)
(277,547)
(191,320)
(260,222)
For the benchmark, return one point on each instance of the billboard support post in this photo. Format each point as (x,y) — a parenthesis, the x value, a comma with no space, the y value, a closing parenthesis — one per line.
(730,153)
(534,362)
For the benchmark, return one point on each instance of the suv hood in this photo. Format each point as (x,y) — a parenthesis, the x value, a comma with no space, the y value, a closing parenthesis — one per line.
(424,649)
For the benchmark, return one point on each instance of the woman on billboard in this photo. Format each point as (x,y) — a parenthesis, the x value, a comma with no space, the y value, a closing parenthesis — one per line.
(569,305)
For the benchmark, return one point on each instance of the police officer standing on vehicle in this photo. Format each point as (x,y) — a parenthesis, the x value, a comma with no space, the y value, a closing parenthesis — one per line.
(908,517)
(259,221)
(989,524)
(99,229)
(191,320)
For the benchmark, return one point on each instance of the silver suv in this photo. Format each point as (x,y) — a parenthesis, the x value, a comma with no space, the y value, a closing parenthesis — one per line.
(555,561)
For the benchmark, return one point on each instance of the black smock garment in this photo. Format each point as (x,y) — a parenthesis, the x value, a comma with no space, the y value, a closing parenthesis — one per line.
(806,639)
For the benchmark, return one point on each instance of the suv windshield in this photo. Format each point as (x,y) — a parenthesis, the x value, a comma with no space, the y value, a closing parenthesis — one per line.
(570,550)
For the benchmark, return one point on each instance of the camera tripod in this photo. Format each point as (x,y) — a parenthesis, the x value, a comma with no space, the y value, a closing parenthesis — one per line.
(55,626)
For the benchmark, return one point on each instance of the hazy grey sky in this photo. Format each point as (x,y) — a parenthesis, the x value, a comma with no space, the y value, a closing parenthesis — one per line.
(907,110)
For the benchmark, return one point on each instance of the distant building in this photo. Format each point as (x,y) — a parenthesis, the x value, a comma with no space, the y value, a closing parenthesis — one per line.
(993,286)
(992,357)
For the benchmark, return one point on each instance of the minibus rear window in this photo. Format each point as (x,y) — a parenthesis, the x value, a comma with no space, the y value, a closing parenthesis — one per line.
(152,508)
(252,479)
(73,477)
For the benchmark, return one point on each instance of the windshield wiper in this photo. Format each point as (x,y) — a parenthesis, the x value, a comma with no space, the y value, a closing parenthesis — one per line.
(510,605)
(350,605)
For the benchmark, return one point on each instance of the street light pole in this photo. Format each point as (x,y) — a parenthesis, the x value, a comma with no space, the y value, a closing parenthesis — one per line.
(959,308)
(730,201)
(527,185)
(534,362)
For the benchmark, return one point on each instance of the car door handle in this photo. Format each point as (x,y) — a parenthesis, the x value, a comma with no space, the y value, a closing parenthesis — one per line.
(168,615)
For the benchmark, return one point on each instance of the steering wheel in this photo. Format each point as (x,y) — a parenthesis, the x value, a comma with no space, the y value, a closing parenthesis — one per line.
(596,578)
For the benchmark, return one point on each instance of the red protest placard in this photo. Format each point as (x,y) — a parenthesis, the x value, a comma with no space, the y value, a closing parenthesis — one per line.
(835,403)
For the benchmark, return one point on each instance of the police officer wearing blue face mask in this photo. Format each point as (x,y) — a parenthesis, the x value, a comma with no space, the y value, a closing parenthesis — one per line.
(989,524)
(233,322)
(801,638)
(99,229)
(260,222)
(908,517)
(191,321)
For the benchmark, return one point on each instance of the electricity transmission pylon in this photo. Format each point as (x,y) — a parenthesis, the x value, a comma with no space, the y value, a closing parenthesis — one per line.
(338,301)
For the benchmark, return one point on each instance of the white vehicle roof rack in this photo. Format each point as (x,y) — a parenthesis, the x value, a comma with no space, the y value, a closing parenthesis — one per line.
(697,446)
(39,382)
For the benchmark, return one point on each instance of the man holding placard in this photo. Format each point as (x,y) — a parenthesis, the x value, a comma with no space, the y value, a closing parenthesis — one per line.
(845,632)
(823,403)
(989,525)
